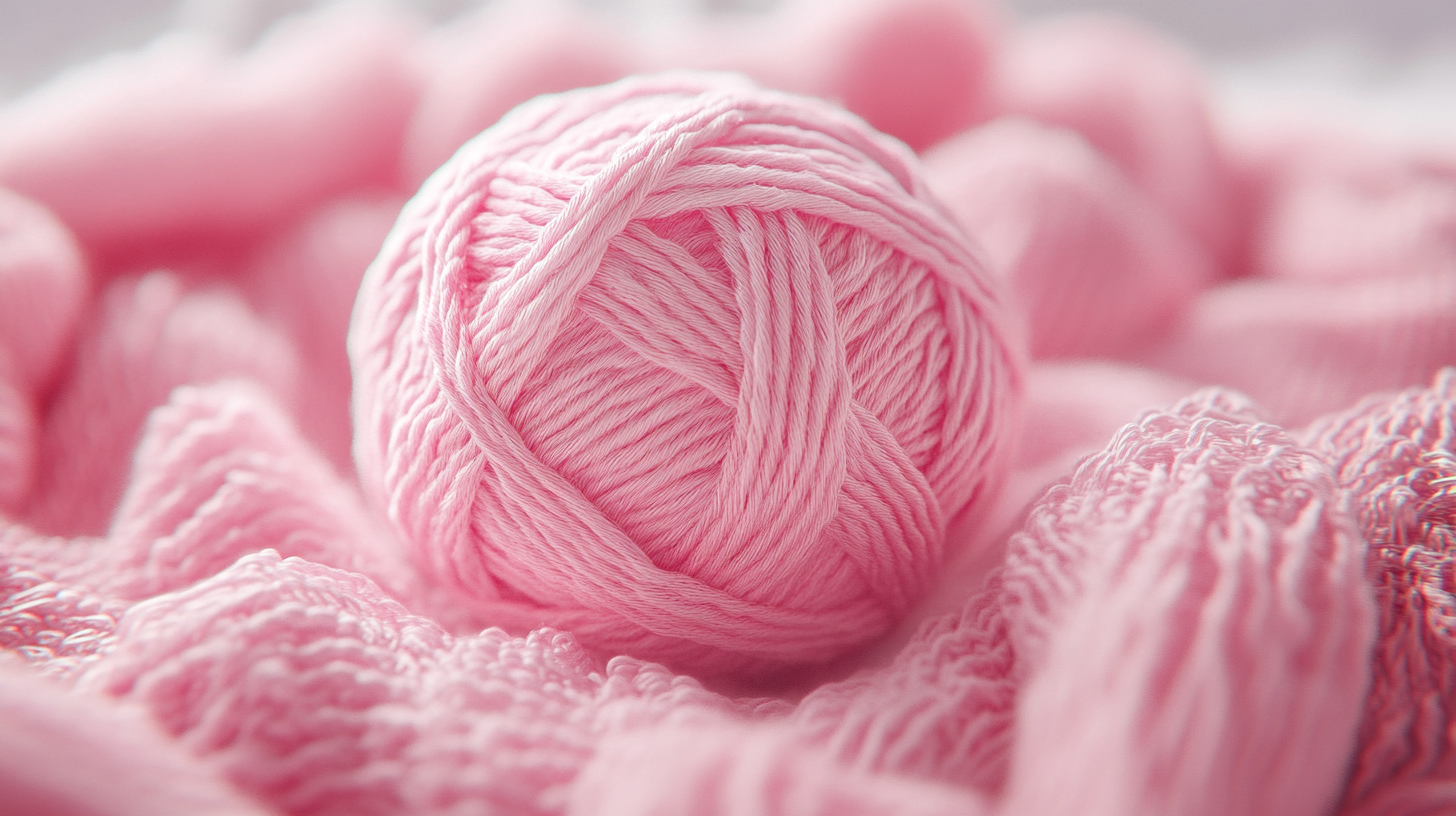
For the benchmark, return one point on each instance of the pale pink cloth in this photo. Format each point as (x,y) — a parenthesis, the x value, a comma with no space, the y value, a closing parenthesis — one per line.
(1166,605)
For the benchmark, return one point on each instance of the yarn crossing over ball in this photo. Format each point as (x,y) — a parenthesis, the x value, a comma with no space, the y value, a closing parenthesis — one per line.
(697,371)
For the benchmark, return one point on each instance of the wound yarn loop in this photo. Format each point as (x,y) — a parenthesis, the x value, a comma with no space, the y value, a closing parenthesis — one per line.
(696,370)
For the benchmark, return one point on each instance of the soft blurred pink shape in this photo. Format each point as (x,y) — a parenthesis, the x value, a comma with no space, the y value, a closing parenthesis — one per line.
(145,337)
(1303,348)
(183,139)
(918,70)
(723,768)
(1095,268)
(479,67)
(1138,98)
(1330,208)
(69,754)
(43,287)
(304,280)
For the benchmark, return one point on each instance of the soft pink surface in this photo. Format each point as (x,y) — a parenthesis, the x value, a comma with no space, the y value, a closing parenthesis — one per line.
(699,469)
(1096,268)
(184,137)
(1138,98)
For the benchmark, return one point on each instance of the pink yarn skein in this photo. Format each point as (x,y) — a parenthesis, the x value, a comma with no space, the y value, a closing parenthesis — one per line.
(696,371)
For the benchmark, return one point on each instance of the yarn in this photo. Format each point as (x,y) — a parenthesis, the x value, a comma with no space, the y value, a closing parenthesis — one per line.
(1396,455)
(182,139)
(144,337)
(1193,628)
(310,689)
(1097,269)
(683,370)
(1138,98)
(693,370)
(69,755)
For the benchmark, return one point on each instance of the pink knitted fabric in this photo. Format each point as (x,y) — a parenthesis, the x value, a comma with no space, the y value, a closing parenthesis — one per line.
(314,691)
(671,392)
(797,374)
(1396,455)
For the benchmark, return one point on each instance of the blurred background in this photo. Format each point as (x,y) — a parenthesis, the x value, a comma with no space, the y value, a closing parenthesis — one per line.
(1355,60)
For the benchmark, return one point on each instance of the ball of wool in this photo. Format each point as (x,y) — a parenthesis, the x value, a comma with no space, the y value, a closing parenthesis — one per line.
(694,370)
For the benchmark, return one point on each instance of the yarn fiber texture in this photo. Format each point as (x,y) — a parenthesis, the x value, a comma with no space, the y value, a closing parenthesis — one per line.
(694,370)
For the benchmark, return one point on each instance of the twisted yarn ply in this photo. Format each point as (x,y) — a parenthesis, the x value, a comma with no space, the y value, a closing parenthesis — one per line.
(694,370)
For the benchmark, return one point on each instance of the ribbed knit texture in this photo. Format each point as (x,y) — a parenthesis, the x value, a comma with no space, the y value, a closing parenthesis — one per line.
(1395,456)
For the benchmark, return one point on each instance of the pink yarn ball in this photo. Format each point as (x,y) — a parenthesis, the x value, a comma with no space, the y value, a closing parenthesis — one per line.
(696,371)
